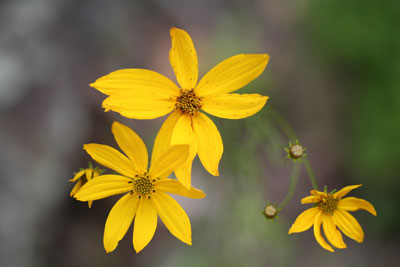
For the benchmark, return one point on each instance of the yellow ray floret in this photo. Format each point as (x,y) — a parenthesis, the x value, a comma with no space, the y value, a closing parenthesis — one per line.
(146,191)
(82,177)
(332,212)
(145,94)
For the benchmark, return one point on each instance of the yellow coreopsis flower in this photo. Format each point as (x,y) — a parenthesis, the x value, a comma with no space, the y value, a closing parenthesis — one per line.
(83,176)
(332,212)
(145,190)
(145,94)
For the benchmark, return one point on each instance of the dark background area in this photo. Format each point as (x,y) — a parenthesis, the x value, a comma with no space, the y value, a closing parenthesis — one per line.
(334,72)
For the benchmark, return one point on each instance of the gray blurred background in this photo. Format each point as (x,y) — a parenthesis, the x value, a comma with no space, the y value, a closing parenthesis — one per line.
(334,73)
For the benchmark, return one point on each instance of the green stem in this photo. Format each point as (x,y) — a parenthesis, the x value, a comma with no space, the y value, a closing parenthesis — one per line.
(310,173)
(292,187)
(283,124)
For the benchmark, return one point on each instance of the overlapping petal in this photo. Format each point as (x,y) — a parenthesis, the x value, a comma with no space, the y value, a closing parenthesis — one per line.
(175,187)
(183,133)
(132,145)
(145,224)
(111,158)
(136,82)
(169,161)
(317,233)
(183,58)
(331,232)
(305,220)
(234,106)
(139,107)
(210,147)
(119,220)
(348,225)
(173,216)
(232,74)
(353,204)
(104,186)
(163,138)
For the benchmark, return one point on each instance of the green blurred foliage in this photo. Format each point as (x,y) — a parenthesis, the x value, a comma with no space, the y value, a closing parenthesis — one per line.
(360,44)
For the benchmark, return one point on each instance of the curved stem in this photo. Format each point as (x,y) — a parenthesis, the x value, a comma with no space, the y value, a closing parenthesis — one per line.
(283,124)
(310,173)
(292,187)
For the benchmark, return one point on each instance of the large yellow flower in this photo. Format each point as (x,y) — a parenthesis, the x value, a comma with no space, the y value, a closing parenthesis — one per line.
(332,212)
(145,94)
(145,190)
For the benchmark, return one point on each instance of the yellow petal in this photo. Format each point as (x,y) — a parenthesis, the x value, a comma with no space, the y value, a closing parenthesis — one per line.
(169,161)
(353,204)
(173,216)
(348,225)
(175,187)
(145,224)
(89,174)
(111,158)
(304,221)
(331,232)
(136,82)
(139,107)
(209,143)
(310,199)
(233,106)
(318,193)
(78,175)
(183,133)
(317,233)
(183,58)
(90,202)
(76,188)
(184,174)
(118,221)
(232,74)
(104,186)
(345,190)
(163,139)
(132,145)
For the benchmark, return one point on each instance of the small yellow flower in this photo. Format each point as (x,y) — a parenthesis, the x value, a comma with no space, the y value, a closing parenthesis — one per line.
(145,94)
(145,190)
(332,212)
(83,176)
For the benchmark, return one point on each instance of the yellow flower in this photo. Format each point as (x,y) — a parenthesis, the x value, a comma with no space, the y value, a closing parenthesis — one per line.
(145,94)
(89,173)
(145,190)
(332,212)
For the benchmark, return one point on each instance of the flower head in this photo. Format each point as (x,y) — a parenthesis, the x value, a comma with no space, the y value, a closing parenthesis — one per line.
(83,176)
(332,212)
(145,94)
(146,190)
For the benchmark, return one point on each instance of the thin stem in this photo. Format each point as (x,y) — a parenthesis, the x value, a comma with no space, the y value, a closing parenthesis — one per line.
(310,173)
(283,124)
(292,187)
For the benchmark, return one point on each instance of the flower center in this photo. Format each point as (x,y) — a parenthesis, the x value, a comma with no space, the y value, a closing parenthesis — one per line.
(188,102)
(143,185)
(328,204)
(296,151)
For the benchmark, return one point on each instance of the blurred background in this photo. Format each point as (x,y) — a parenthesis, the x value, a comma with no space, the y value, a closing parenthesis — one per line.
(334,73)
